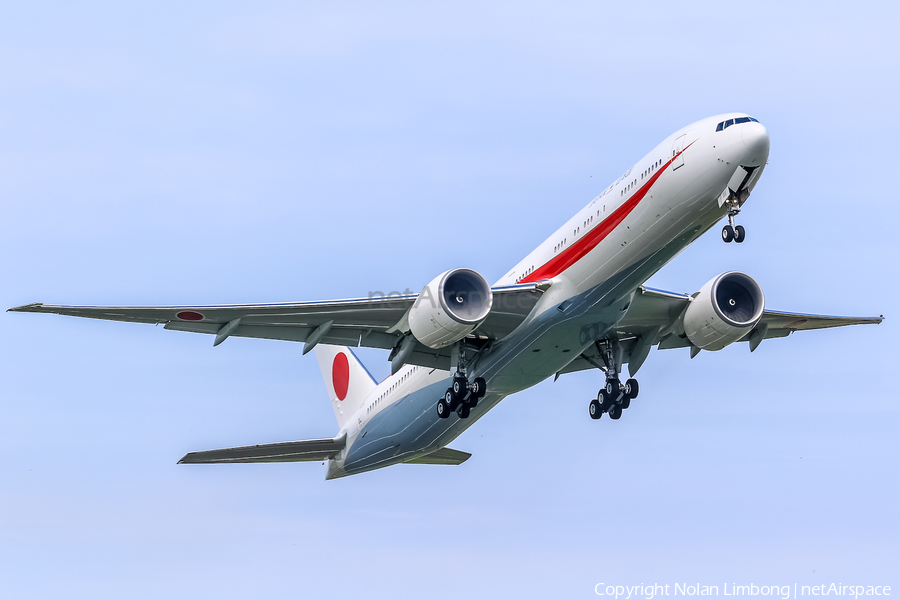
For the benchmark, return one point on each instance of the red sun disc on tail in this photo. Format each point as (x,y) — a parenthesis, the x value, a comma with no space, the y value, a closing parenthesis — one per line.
(340,375)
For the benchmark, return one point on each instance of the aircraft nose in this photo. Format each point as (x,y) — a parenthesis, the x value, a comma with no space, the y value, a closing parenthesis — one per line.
(756,141)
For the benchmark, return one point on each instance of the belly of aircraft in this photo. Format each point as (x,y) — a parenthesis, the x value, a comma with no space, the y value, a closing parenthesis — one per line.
(408,428)
(608,276)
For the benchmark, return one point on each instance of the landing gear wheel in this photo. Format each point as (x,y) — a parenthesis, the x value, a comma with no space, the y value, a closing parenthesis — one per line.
(615,412)
(631,389)
(612,388)
(450,399)
(595,409)
(459,387)
(739,234)
(727,233)
(604,399)
(443,410)
(479,387)
(463,411)
(626,402)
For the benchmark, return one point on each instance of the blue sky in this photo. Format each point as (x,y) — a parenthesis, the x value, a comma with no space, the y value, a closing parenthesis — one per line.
(216,152)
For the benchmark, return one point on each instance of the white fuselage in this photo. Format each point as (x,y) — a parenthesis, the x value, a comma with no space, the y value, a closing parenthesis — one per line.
(594,263)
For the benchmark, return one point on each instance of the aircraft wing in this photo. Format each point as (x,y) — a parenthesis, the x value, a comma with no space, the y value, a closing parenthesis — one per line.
(655,319)
(306,450)
(658,308)
(375,322)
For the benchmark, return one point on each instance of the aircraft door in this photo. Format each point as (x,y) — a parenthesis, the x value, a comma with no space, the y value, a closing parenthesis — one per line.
(677,148)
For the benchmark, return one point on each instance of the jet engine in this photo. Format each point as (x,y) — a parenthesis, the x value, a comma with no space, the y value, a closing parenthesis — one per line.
(726,309)
(450,307)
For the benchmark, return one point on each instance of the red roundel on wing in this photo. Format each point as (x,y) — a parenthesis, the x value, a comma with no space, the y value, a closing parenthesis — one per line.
(189,315)
(340,375)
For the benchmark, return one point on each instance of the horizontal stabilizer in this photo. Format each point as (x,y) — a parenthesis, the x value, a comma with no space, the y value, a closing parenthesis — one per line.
(444,456)
(306,450)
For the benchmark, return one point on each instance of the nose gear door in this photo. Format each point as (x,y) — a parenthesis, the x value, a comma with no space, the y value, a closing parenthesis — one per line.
(677,147)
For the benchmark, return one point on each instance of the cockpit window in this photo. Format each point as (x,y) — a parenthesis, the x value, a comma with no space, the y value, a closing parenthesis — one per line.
(726,124)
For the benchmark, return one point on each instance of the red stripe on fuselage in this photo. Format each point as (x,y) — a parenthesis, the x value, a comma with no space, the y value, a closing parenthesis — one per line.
(580,248)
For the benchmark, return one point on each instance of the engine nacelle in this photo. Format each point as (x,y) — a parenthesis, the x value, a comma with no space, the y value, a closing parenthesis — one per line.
(450,307)
(724,310)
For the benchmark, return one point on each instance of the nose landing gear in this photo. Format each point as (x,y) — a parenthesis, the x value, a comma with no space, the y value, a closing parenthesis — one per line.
(734,195)
(732,232)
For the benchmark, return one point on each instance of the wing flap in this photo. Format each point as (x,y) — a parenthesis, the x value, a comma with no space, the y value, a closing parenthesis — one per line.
(337,336)
(444,456)
(305,450)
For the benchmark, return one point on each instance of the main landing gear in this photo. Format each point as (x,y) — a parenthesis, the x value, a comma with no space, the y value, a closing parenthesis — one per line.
(461,397)
(614,397)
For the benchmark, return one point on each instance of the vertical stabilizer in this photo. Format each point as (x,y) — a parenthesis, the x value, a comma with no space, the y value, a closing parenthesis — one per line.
(346,379)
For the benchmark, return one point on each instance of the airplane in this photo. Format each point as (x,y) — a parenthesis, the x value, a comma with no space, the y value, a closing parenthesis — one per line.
(578,301)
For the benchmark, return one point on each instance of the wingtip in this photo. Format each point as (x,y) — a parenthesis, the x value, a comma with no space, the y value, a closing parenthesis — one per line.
(26,307)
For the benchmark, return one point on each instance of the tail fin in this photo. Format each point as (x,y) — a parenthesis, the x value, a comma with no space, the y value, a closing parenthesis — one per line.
(346,379)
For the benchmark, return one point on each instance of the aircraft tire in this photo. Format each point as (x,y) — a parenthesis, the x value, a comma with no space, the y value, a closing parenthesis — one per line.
(631,388)
(727,233)
(604,399)
(615,412)
(443,410)
(612,388)
(595,410)
(450,399)
(479,387)
(739,234)
(459,387)
(463,411)
(626,402)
